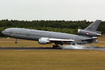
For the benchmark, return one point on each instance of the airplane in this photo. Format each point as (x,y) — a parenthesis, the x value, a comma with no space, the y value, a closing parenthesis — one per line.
(86,36)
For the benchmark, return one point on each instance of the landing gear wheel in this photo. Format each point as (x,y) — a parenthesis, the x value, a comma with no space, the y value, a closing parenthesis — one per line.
(15,42)
(54,46)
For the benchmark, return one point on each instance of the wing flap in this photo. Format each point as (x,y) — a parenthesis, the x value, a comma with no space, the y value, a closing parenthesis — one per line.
(64,40)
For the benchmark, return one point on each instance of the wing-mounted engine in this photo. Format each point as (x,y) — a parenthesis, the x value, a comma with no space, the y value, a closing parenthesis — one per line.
(44,41)
(88,33)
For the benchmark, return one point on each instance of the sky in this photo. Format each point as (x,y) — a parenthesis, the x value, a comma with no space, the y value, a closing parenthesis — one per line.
(89,10)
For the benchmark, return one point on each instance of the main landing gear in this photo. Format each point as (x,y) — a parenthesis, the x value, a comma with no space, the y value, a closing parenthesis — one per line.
(56,45)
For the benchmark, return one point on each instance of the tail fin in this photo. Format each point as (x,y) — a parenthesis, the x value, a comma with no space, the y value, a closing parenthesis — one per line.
(93,26)
(91,29)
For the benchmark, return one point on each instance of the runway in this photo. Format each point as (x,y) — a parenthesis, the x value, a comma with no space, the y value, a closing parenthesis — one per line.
(49,48)
(29,48)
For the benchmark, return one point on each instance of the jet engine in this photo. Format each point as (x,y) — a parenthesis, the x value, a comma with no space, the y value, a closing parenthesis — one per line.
(44,41)
(88,33)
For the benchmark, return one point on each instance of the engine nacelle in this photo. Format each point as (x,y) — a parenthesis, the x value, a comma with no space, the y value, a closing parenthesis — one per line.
(44,41)
(88,33)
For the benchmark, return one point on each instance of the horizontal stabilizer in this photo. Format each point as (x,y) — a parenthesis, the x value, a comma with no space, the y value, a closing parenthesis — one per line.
(86,39)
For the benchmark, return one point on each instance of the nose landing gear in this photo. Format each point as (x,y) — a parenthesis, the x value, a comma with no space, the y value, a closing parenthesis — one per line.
(16,41)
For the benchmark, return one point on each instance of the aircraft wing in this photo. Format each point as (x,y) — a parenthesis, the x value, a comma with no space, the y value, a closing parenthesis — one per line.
(63,40)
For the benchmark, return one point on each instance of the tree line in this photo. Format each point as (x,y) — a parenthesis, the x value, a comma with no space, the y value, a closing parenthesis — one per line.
(49,25)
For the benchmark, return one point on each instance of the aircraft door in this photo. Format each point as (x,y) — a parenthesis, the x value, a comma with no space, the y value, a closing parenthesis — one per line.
(28,34)
(49,35)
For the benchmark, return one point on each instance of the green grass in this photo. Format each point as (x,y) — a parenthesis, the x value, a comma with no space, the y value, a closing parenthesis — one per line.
(51,60)
(4,42)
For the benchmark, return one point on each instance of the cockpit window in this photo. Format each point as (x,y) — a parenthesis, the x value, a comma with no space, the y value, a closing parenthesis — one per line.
(6,30)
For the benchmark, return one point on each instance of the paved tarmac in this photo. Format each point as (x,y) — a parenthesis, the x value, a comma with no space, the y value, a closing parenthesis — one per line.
(50,48)
(29,48)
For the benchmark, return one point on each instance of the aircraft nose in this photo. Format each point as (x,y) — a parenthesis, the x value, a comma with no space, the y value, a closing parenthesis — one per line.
(2,32)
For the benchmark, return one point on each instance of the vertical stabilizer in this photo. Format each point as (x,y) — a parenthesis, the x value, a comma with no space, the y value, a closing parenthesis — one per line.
(93,26)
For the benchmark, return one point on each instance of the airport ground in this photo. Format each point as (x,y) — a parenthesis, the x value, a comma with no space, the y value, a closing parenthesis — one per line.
(49,59)
(10,42)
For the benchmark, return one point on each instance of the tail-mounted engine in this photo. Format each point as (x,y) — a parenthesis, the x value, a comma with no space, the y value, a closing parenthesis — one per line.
(88,33)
